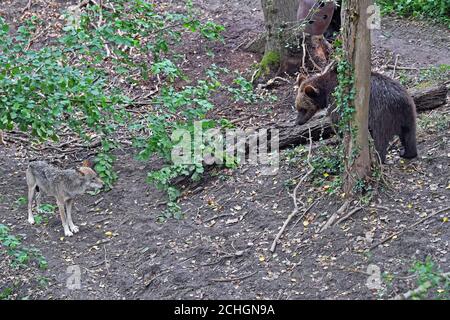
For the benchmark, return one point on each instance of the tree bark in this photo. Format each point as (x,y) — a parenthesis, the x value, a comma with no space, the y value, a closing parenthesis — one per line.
(285,47)
(357,48)
(430,98)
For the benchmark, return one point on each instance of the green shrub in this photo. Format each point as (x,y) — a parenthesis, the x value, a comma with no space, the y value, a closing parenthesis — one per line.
(435,9)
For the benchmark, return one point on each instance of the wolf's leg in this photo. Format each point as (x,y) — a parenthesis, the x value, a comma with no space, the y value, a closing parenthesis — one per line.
(67,232)
(38,197)
(31,182)
(69,205)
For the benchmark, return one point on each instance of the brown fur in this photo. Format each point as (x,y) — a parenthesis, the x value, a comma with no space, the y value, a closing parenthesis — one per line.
(391,110)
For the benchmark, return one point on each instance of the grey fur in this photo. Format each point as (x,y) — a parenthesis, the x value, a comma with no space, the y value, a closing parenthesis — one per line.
(64,185)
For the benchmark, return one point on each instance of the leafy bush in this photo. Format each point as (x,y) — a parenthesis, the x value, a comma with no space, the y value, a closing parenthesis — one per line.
(429,276)
(108,49)
(20,255)
(40,90)
(435,9)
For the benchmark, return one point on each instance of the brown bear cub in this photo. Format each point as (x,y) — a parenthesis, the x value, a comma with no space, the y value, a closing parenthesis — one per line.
(391,110)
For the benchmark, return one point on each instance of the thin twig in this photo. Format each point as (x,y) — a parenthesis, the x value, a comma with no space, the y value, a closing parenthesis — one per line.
(390,66)
(335,215)
(148,282)
(304,53)
(294,197)
(407,228)
(218,217)
(395,66)
(421,289)
(348,215)
(83,4)
(233,278)
(28,6)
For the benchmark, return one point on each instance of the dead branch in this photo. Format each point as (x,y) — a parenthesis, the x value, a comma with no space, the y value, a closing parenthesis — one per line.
(348,215)
(396,234)
(395,66)
(390,66)
(28,6)
(149,281)
(335,215)
(83,4)
(294,197)
(233,278)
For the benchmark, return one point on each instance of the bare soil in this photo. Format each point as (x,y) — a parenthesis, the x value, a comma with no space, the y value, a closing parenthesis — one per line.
(220,250)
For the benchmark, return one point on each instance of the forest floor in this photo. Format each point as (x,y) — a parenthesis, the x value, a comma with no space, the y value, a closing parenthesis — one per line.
(220,250)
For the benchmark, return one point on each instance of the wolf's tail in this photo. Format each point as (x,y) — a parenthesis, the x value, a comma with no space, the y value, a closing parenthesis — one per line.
(30,171)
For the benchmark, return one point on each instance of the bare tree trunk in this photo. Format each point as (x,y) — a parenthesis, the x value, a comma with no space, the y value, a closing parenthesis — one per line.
(285,47)
(357,47)
(278,14)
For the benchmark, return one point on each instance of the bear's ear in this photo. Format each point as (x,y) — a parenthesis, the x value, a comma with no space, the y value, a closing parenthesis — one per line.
(311,92)
(300,79)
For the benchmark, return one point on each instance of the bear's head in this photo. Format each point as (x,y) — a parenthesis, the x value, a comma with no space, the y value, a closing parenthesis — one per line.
(313,93)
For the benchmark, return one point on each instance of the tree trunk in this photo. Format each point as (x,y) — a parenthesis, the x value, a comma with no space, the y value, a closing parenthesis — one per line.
(285,47)
(357,48)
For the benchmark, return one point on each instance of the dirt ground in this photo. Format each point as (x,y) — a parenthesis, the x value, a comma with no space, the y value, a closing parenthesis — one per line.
(220,250)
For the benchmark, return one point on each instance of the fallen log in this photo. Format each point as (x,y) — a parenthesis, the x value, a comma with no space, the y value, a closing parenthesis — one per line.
(291,135)
(430,98)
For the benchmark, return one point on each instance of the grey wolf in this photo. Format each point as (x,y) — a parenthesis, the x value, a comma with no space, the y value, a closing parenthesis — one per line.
(64,185)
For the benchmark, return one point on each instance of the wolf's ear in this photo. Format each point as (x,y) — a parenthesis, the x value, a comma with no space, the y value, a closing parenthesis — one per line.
(87,163)
(311,92)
